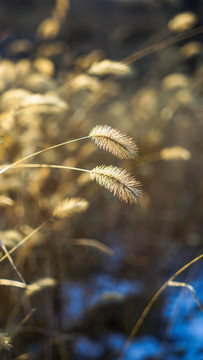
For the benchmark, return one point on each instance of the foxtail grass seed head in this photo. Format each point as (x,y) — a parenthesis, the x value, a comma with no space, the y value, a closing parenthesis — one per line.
(118,181)
(114,141)
(109,67)
(5,341)
(69,207)
(175,153)
(183,21)
(46,103)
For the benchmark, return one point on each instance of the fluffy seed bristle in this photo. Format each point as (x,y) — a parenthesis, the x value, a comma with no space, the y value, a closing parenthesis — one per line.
(47,103)
(69,207)
(5,341)
(107,67)
(175,153)
(182,21)
(114,141)
(118,181)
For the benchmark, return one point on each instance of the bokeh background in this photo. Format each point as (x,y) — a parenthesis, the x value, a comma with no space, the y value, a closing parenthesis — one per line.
(94,292)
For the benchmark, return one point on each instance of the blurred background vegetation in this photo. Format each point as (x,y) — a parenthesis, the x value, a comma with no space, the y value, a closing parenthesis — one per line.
(93,292)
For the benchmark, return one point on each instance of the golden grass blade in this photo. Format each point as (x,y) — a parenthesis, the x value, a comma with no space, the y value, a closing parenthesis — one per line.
(94,244)
(152,301)
(50,166)
(114,141)
(20,161)
(22,323)
(31,288)
(190,288)
(40,285)
(118,181)
(162,45)
(6,337)
(7,282)
(6,201)
(24,240)
(82,206)
(12,262)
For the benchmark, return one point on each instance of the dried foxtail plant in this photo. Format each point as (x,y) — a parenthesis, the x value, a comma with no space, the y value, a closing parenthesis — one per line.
(115,141)
(104,136)
(4,248)
(94,244)
(7,337)
(69,207)
(169,282)
(5,341)
(182,21)
(190,288)
(30,288)
(65,208)
(109,67)
(118,181)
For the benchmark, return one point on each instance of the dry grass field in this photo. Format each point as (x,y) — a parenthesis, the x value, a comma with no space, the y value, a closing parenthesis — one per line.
(95,101)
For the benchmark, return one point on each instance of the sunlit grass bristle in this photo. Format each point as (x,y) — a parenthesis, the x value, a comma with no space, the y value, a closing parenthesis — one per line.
(69,207)
(175,153)
(109,67)
(114,141)
(5,341)
(118,181)
(182,21)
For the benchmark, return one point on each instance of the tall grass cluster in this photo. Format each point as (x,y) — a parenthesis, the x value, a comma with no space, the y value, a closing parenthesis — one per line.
(67,126)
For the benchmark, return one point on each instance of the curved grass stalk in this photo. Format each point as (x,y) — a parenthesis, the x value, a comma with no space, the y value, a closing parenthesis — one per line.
(40,152)
(12,262)
(148,159)
(116,180)
(152,301)
(64,167)
(104,136)
(190,288)
(24,240)
(161,45)
(76,205)
(8,282)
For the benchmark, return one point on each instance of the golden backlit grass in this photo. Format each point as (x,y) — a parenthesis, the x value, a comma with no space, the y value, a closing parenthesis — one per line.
(43,106)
